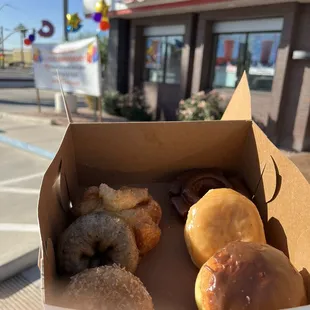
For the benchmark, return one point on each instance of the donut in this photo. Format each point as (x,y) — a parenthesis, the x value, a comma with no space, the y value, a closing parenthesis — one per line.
(97,239)
(122,199)
(246,275)
(144,215)
(147,233)
(218,218)
(106,288)
(192,185)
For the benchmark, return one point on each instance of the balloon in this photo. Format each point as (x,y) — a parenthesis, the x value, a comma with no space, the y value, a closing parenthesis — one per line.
(78,28)
(73,20)
(104,24)
(27,41)
(69,28)
(99,6)
(46,33)
(32,37)
(97,17)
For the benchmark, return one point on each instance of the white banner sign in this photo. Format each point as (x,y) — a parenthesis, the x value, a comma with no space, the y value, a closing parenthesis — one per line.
(78,64)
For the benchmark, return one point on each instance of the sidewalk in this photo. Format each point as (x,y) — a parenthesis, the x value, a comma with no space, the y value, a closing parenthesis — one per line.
(22,105)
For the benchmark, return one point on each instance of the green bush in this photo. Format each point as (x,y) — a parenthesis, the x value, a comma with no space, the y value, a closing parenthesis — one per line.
(201,106)
(111,102)
(134,106)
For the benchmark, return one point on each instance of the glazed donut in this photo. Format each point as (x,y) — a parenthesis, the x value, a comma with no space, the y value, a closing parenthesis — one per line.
(107,287)
(218,218)
(192,185)
(246,275)
(144,215)
(97,239)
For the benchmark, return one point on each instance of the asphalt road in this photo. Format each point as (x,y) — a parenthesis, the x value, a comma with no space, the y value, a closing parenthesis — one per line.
(16,74)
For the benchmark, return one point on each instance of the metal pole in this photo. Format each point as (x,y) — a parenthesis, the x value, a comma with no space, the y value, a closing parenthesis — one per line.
(38,100)
(65,12)
(22,48)
(2,47)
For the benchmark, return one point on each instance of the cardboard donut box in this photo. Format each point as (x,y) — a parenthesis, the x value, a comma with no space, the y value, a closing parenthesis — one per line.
(151,155)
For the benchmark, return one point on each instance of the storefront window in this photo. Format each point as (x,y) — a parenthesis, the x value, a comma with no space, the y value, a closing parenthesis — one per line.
(163,59)
(254,52)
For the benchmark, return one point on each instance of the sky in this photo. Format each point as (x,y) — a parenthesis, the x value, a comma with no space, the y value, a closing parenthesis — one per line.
(31,12)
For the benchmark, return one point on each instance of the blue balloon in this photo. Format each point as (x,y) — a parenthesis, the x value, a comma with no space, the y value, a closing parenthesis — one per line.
(69,28)
(32,37)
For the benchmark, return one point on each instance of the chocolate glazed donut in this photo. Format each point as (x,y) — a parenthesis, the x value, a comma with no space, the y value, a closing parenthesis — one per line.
(192,185)
(94,240)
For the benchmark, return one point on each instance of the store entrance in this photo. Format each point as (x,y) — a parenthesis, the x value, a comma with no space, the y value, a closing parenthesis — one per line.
(162,74)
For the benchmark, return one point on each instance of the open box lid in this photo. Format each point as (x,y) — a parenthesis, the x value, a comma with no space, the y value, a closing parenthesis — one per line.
(286,191)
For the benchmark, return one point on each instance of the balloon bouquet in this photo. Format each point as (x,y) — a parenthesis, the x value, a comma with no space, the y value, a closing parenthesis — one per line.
(101,15)
(46,31)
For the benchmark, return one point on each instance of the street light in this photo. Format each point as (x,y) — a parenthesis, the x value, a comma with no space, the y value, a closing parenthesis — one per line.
(1,33)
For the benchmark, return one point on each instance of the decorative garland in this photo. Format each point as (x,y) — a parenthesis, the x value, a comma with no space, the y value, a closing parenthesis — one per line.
(101,15)
(46,31)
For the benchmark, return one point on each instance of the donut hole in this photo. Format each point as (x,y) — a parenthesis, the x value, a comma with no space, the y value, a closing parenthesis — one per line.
(100,257)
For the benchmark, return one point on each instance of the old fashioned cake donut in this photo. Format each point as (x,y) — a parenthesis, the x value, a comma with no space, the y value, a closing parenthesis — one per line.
(97,239)
(134,205)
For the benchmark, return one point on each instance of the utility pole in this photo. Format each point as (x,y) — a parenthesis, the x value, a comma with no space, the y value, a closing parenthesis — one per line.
(2,47)
(65,12)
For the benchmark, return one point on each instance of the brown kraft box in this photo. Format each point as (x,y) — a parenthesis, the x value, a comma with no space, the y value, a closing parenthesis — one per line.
(151,155)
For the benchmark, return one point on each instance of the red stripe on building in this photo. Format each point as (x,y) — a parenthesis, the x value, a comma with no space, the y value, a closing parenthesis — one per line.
(164,6)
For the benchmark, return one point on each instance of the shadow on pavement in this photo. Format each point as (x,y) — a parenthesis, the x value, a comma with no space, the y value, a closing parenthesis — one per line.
(19,282)
(46,103)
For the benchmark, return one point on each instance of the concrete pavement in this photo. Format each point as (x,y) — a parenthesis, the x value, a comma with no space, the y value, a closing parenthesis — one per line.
(20,180)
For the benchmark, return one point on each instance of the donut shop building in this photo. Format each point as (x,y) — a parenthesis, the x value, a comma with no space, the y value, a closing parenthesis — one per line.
(178,47)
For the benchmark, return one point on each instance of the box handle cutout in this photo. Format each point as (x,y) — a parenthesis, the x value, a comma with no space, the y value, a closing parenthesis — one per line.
(271,179)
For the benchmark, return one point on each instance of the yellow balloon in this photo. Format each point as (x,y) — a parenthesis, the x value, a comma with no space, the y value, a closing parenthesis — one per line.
(99,6)
(68,16)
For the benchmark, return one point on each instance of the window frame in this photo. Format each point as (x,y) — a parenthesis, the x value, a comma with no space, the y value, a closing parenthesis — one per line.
(145,37)
(215,37)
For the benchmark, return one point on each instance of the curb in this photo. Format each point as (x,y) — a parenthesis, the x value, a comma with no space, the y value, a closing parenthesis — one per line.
(34,119)
(27,147)
(19,264)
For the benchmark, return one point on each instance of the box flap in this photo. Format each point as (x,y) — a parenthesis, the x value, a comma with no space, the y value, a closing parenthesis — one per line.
(239,107)
(288,215)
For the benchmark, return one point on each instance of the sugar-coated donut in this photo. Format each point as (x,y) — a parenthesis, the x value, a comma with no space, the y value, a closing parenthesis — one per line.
(246,275)
(107,288)
(221,216)
(97,239)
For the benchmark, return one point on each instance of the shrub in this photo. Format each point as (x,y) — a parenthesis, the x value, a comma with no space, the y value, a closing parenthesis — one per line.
(112,102)
(201,106)
(134,106)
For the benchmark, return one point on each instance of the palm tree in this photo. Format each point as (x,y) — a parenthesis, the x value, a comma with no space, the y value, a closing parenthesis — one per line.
(22,30)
